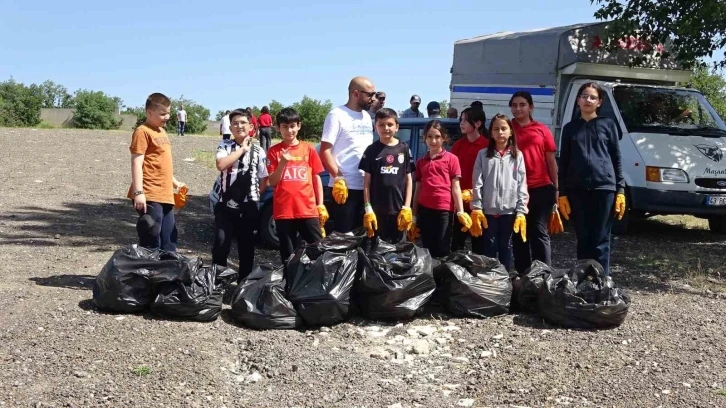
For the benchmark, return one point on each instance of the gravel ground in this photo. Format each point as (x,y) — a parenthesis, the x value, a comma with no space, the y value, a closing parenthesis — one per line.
(63,213)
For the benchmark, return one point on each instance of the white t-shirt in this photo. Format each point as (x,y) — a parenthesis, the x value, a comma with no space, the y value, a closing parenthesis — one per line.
(350,133)
(225,125)
(181,115)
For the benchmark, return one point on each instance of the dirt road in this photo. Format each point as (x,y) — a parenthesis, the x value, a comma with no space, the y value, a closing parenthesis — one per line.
(62,214)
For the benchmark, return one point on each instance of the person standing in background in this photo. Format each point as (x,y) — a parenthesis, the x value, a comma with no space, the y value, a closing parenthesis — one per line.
(433,109)
(224,128)
(413,111)
(265,128)
(378,103)
(452,113)
(253,121)
(181,120)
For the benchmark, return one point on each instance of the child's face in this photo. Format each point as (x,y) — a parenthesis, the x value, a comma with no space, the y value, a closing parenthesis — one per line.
(521,109)
(589,100)
(289,131)
(240,126)
(434,139)
(501,132)
(465,126)
(158,116)
(386,127)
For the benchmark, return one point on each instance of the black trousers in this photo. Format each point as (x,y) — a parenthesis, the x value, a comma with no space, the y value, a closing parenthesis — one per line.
(593,216)
(435,228)
(496,238)
(265,138)
(226,136)
(349,216)
(458,238)
(163,215)
(537,247)
(289,232)
(388,228)
(237,224)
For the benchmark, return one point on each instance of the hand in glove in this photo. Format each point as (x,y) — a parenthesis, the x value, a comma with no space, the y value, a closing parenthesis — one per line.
(520,226)
(467,195)
(564,205)
(555,224)
(340,190)
(620,206)
(478,223)
(370,222)
(414,232)
(322,231)
(180,197)
(464,220)
(405,219)
(323,215)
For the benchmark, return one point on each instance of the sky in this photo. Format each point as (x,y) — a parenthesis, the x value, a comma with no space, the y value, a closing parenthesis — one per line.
(225,54)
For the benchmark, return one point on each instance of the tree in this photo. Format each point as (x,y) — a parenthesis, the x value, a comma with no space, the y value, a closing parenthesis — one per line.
(219,115)
(692,29)
(713,86)
(95,110)
(275,107)
(312,115)
(444,107)
(19,104)
(197,116)
(55,95)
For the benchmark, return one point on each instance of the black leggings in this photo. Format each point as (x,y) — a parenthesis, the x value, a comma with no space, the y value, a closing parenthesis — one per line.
(435,228)
(288,230)
(239,224)
(537,247)
(265,138)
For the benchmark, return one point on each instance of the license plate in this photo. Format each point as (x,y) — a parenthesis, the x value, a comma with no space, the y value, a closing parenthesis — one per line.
(716,201)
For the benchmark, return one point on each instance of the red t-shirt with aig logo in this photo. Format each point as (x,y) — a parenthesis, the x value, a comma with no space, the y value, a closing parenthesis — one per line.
(294,196)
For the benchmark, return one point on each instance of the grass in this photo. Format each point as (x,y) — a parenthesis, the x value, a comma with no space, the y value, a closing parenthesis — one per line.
(721,392)
(142,370)
(46,125)
(206,158)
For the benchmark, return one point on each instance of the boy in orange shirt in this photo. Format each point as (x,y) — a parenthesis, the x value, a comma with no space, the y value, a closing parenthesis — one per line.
(294,169)
(152,177)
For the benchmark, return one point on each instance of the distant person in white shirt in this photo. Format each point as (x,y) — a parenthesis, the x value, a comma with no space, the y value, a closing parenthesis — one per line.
(413,111)
(433,109)
(181,120)
(347,132)
(224,128)
(378,103)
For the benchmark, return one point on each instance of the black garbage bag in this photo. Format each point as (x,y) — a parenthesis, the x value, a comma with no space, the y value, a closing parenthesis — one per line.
(126,282)
(583,298)
(198,299)
(473,285)
(530,285)
(319,283)
(395,281)
(260,301)
(338,242)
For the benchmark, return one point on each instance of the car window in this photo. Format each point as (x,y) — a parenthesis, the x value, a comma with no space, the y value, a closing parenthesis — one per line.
(454,135)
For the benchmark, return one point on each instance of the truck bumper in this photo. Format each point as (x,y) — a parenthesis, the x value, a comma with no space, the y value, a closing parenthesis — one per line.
(673,202)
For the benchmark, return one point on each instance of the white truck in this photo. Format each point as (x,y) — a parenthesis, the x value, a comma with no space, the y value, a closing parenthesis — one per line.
(673,142)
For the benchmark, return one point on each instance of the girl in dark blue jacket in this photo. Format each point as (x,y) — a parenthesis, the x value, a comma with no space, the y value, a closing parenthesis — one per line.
(591,180)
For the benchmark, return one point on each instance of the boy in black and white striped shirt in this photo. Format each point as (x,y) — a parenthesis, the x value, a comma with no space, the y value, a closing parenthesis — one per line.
(244,178)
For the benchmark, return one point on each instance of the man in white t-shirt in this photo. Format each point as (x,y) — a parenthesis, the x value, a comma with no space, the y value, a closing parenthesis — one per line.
(181,120)
(224,128)
(347,132)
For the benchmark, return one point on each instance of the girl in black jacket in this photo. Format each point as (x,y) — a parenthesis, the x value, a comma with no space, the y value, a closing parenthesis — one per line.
(591,176)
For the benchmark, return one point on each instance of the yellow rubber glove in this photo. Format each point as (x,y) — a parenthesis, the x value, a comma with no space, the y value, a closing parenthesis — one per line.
(620,205)
(554,226)
(564,205)
(405,219)
(464,220)
(478,223)
(322,231)
(467,195)
(340,190)
(369,221)
(520,227)
(323,215)
(414,232)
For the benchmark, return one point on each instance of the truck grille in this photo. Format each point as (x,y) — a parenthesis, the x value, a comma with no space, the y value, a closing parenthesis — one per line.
(711,183)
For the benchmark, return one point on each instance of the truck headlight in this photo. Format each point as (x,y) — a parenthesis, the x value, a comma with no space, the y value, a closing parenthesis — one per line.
(665,175)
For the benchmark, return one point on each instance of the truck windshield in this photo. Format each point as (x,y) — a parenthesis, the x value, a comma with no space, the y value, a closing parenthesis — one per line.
(667,110)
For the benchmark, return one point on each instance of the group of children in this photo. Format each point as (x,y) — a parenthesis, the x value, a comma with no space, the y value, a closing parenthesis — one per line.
(478,189)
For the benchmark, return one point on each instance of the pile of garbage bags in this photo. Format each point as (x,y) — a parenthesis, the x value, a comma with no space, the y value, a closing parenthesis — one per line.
(170,284)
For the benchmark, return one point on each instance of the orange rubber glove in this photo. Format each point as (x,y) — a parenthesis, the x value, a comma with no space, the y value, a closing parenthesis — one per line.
(414,232)
(520,226)
(620,205)
(405,219)
(467,195)
(340,190)
(564,205)
(478,223)
(464,220)
(323,215)
(555,223)
(180,198)
(369,221)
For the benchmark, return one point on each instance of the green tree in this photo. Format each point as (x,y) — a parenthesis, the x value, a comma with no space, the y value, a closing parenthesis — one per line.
(693,29)
(95,110)
(312,115)
(444,107)
(219,115)
(712,85)
(55,95)
(19,104)
(197,116)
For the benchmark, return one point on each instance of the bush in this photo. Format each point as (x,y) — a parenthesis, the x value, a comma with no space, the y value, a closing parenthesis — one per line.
(19,104)
(95,110)
(197,116)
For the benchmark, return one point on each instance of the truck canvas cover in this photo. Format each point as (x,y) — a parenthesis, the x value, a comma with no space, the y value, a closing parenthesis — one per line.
(535,57)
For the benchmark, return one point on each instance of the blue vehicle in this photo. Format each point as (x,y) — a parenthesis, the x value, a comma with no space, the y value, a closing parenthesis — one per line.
(410,131)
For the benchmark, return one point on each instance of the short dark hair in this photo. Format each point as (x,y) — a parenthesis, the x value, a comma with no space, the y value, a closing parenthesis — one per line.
(239,112)
(157,100)
(286,116)
(265,109)
(474,115)
(436,124)
(477,103)
(227,112)
(248,109)
(512,142)
(385,113)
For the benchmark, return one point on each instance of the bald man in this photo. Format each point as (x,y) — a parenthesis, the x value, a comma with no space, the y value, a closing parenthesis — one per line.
(347,132)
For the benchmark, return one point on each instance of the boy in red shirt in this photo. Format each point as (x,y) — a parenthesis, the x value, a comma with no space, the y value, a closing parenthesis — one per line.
(466,149)
(294,169)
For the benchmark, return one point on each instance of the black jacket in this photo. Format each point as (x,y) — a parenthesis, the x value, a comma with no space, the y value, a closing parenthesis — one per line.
(590,156)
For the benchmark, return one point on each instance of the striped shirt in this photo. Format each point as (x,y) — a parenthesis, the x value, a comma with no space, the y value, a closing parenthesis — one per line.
(251,164)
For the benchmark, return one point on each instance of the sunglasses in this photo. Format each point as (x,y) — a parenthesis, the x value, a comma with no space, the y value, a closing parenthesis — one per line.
(369,94)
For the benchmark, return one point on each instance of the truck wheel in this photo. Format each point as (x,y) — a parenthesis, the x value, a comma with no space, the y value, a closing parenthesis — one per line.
(268,231)
(717,224)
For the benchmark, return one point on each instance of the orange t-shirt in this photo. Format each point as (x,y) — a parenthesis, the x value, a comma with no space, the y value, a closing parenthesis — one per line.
(158,169)
(294,196)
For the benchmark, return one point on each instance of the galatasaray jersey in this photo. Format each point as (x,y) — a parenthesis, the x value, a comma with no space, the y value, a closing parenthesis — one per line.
(388,167)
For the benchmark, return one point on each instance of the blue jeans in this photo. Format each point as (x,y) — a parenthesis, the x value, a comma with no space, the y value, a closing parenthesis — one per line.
(496,239)
(593,215)
(181,126)
(163,215)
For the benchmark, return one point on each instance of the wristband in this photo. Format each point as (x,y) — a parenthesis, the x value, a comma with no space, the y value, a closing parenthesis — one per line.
(138,193)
